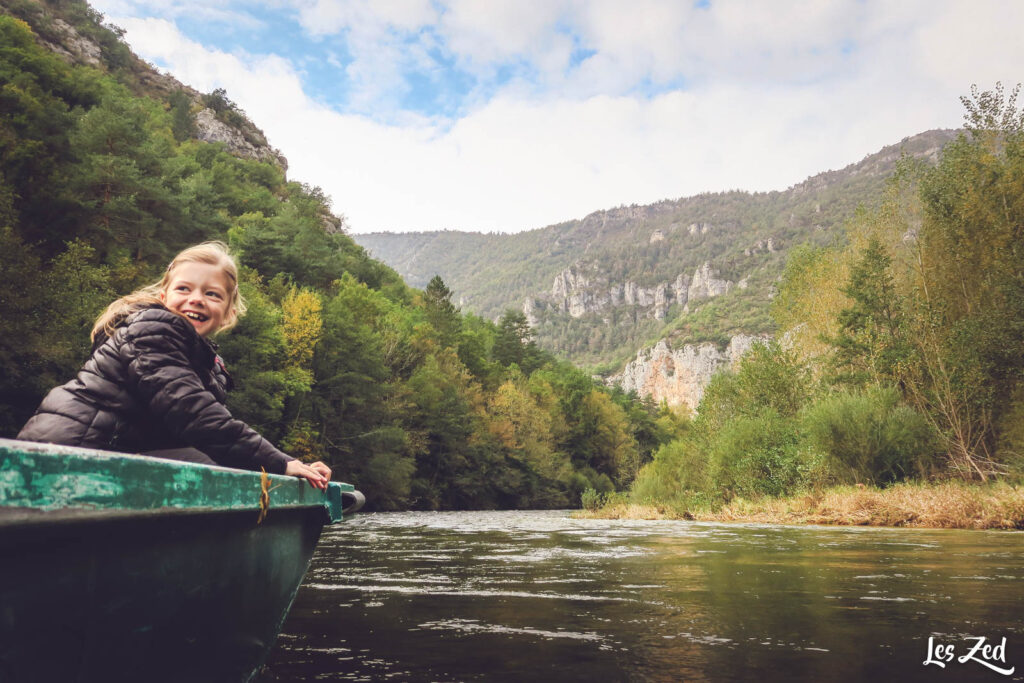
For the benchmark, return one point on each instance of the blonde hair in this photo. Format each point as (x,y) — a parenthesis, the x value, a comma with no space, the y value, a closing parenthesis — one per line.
(212,253)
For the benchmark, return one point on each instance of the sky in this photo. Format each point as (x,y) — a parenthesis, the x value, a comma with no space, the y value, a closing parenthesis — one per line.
(510,115)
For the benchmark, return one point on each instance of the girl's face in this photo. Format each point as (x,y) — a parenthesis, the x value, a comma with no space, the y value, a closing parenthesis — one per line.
(199,293)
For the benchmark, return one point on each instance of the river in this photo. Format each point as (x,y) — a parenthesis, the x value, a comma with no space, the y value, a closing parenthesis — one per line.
(539,596)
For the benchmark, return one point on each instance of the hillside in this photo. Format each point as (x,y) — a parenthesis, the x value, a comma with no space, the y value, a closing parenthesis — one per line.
(109,168)
(79,35)
(599,289)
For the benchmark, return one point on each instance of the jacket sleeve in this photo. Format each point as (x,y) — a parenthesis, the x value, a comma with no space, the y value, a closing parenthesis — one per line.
(156,354)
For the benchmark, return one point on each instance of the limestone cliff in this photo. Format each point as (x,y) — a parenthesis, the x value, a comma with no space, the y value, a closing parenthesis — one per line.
(705,285)
(579,290)
(679,376)
(211,129)
(74,47)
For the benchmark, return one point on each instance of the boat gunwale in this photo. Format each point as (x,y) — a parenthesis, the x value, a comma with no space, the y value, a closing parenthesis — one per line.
(71,484)
(26,517)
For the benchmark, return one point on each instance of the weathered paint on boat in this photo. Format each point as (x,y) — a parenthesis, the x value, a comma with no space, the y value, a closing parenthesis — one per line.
(126,568)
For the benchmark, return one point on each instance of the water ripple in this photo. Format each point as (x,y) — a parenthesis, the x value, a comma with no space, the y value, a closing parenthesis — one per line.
(576,597)
(474,626)
(429,597)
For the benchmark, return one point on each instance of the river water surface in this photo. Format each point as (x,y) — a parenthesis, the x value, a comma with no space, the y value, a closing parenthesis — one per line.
(539,596)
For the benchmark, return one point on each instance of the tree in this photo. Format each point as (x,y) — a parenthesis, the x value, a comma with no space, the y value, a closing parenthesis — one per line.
(441,312)
(254,351)
(610,446)
(807,306)
(336,359)
(444,416)
(870,345)
(525,429)
(78,288)
(22,379)
(970,324)
(121,182)
(183,124)
(40,97)
(515,344)
(303,327)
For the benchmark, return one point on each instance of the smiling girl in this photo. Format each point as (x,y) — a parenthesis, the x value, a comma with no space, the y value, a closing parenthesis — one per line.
(155,384)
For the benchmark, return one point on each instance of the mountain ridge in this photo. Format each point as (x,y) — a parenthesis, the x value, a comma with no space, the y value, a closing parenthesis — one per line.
(599,289)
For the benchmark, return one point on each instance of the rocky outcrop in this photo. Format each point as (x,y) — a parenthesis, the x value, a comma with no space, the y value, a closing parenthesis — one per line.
(531,307)
(568,282)
(705,284)
(679,376)
(333,224)
(74,47)
(572,293)
(212,129)
(577,293)
(599,220)
(769,245)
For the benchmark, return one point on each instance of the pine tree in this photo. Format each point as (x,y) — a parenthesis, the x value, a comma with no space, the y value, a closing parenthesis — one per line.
(515,343)
(870,344)
(442,314)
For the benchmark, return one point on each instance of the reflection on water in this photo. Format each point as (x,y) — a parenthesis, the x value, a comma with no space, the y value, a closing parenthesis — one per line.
(539,596)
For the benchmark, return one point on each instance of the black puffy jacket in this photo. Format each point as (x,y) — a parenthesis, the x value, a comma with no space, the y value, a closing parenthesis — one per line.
(154,384)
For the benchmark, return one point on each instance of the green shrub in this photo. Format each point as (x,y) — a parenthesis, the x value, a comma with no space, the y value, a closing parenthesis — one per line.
(678,466)
(578,484)
(592,500)
(869,436)
(768,378)
(754,456)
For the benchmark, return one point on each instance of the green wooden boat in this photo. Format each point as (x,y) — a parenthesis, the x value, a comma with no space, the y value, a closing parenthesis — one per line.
(120,567)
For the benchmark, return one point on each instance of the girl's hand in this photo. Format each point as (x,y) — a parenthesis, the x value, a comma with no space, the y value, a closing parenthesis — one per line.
(317,473)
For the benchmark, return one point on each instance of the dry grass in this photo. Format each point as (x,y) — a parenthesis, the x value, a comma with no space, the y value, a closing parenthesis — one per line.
(630,511)
(946,505)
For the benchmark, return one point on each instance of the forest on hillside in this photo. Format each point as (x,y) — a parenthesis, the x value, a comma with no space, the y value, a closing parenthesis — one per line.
(743,236)
(419,405)
(901,356)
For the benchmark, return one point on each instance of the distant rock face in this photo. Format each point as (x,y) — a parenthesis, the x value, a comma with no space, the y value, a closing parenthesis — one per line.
(74,46)
(568,282)
(530,309)
(333,224)
(705,285)
(211,129)
(578,293)
(768,245)
(680,376)
(598,220)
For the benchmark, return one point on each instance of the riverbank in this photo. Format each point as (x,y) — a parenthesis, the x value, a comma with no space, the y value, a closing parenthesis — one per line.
(946,505)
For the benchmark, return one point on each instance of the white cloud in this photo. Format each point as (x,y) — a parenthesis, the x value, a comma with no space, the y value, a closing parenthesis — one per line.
(223,14)
(770,97)
(325,17)
(249,79)
(976,42)
(380,38)
(480,34)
